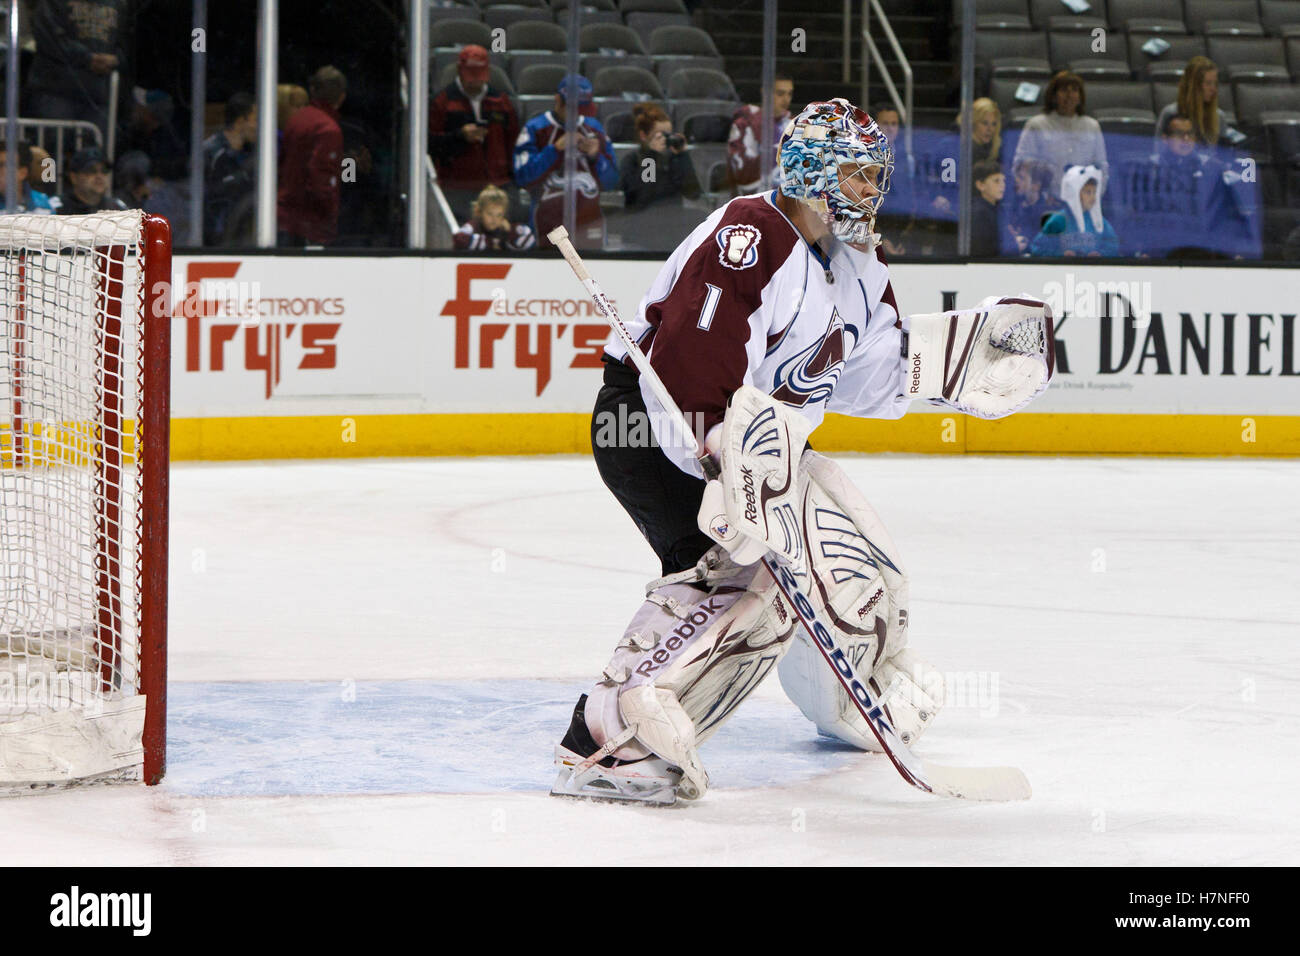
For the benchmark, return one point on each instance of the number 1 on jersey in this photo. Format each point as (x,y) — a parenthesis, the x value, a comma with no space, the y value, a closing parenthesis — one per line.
(710,306)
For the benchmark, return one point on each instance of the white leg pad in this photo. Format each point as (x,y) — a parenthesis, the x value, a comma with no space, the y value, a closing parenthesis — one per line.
(860,585)
(687,660)
(663,726)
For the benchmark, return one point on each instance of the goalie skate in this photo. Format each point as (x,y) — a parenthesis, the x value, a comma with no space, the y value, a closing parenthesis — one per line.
(648,780)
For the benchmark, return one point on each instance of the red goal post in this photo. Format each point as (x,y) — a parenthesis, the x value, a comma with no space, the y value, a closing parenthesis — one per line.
(85,355)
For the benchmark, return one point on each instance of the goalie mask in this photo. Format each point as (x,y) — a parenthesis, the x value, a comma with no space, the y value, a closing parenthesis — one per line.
(824,148)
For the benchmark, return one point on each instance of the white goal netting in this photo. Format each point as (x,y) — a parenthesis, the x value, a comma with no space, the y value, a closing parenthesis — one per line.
(72,500)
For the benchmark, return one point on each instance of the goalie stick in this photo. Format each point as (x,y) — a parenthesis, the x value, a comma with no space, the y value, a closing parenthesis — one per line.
(971,783)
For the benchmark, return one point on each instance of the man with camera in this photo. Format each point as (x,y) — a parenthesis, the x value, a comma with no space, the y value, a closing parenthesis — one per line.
(539,166)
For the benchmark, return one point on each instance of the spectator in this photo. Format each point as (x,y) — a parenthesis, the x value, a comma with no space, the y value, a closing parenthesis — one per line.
(289,99)
(88,185)
(1079,229)
(78,44)
(1024,215)
(1198,100)
(1191,203)
(29,200)
(365,214)
(539,167)
(747,134)
(990,187)
(228,172)
(660,170)
(131,179)
(472,131)
(307,202)
(897,213)
(1062,135)
(152,132)
(41,174)
(489,228)
(986,130)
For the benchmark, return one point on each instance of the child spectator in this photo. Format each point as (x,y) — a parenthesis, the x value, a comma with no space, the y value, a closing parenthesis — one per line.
(88,185)
(1062,135)
(990,187)
(1189,203)
(539,167)
(29,200)
(1024,215)
(489,228)
(746,135)
(1079,229)
(660,170)
(307,202)
(472,131)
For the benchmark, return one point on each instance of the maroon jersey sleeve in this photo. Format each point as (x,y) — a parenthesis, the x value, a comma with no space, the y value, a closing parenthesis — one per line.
(702,326)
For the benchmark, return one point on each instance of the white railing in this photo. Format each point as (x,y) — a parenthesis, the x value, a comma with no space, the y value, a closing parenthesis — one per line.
(40,132)
(871,52)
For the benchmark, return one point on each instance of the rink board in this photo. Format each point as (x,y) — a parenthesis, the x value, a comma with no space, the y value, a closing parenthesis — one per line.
(295,356)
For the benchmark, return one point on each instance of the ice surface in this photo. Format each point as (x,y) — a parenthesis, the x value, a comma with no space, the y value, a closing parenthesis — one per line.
(371,660)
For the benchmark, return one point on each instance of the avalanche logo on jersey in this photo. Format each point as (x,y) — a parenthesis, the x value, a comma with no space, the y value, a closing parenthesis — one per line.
(811,375)
(738,245)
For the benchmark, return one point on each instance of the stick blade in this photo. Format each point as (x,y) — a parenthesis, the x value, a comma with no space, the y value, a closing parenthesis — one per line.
(994,784)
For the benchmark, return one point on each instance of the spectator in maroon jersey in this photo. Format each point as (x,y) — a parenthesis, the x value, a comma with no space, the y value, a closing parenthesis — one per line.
(540,161)
(743,161)
(489,228)
(307,204)
(472,131)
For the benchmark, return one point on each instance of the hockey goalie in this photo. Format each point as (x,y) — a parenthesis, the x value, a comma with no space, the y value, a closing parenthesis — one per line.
(776,309)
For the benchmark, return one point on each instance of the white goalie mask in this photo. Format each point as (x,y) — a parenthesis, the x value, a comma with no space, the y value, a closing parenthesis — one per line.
(837,160)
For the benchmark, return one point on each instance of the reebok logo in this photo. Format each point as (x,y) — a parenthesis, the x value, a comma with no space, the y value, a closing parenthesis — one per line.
(916,373)
(875,599)
(75,909)
(751,504)
(683,632)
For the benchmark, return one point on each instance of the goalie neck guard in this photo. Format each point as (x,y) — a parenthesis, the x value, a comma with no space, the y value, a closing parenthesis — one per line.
(816,144)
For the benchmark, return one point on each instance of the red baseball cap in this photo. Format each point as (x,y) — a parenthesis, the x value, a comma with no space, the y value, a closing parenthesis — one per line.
(473,63)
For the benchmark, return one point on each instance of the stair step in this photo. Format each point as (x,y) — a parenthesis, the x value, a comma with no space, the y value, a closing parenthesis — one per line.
(747,69)
(922,28)
(820,47)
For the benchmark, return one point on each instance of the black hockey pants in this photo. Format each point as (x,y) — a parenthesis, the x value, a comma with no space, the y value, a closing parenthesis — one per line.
(661,498)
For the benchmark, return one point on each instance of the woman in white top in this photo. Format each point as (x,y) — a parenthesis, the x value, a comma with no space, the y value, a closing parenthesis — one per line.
(1062,135)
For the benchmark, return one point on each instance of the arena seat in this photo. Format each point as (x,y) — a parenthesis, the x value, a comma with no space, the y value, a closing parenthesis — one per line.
(1149,16)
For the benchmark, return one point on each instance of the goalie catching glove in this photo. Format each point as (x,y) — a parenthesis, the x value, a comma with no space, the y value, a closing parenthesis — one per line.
(988,361)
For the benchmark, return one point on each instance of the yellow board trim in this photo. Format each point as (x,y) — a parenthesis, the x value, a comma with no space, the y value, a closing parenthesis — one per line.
(368,436)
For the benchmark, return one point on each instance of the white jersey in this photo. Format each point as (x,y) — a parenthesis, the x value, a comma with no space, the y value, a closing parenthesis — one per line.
(745,300)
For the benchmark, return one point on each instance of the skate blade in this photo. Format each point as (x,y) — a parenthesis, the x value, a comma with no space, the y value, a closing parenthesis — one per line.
(603,787)
(602,790)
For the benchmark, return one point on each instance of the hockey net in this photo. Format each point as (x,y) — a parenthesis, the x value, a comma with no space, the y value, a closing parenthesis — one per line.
(84,382)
